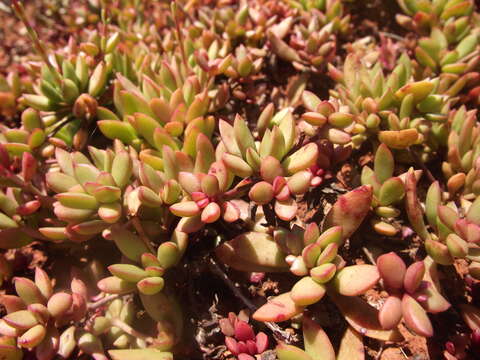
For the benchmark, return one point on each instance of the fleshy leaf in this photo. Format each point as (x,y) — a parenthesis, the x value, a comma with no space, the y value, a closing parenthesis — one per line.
(413,207)
(307,291)
(391,191)
(351,346)
(350,210)
(140,354)
(252,251)
(392,270)
(434,198)
(400,139)
(128,243)
(290,352)
(363,317)
(316,342)
(384,163)
(391,313)
(416,317)
(278,309)
(356,279)
(302,159)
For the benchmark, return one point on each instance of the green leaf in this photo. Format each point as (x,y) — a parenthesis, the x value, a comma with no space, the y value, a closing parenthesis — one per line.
(128,243)
(120,130)
(140,354)
(356,279)
(252,251)
(351,346)
(290,352)
(391,192)
(363,317)
(316,342)
(383,163)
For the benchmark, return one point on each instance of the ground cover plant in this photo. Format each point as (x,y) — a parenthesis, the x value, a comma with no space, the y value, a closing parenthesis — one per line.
(218,179)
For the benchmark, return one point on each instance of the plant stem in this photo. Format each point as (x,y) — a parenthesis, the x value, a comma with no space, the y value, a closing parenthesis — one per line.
(20,12)
(131,331)
(97,304)
(174,7)
(369,255)
(20,183)
(422,165)
(59,126)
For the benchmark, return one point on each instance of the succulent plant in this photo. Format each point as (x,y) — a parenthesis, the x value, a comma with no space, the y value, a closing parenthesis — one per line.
(461,167)
(280,167)
(401,111)
(439,58)
(388,190)
(454,234)
(240,338)
(310,255)
(195,136)
(34,316)
(410,296)
(41,319)
(454,15)
(311,42)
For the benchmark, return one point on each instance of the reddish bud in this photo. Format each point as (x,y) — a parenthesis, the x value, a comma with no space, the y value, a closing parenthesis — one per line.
(28,208)
(245,357)
(252,347)
(243,331)
(232,345)
(242,347)
(226,327)
(261,341)
(29,166)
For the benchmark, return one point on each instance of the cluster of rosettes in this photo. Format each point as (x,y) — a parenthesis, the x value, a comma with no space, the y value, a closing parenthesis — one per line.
(411,296)
(34,316)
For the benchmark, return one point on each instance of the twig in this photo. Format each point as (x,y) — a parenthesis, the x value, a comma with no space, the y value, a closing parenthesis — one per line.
(279,334)
(59,126)
(380,351)
(369,255)
(422,165)
(20,12)
(185,12)
(29,187)
(393,36)
(95,305)
(131,331)
(174,7)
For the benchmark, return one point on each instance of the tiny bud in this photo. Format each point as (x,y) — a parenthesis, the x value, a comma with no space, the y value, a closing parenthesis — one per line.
(80,139)
(243,331)
(261,341)
(28,208)
(256,277)
(85,107)
(29,166)
(232,345)
(370,105)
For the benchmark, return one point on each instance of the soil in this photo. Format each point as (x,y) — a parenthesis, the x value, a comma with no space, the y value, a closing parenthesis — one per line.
(206,298)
